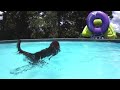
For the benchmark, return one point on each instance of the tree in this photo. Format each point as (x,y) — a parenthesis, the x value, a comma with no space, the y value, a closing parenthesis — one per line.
(43,24)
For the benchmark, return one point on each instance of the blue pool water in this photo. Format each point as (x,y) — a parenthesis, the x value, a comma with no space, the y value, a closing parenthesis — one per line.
(77,60)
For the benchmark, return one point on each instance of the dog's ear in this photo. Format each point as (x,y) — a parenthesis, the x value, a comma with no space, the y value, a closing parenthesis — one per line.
(55,43)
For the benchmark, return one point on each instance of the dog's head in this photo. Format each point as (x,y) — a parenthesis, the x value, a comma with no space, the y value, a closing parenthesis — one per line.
(55,44)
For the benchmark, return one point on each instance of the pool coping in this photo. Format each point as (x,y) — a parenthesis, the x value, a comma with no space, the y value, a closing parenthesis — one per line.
(62,39)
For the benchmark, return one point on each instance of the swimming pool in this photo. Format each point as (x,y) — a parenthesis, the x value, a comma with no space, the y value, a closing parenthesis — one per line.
(77,60)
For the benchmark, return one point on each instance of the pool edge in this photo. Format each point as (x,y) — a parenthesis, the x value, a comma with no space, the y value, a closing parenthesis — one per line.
(62,39)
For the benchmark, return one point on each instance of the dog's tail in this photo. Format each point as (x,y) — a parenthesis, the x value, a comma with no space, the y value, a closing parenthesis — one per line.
(20,51)
(18,46)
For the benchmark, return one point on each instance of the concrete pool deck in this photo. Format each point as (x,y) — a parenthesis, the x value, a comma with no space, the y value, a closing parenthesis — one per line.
(62,39)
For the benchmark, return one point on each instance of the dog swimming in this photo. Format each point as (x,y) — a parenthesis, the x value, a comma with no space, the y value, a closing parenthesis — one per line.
(51,51)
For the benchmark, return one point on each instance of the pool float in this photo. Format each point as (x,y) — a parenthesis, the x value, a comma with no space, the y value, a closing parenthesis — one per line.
(98,24)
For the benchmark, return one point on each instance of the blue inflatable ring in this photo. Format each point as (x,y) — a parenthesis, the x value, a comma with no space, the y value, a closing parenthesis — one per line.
(98,15)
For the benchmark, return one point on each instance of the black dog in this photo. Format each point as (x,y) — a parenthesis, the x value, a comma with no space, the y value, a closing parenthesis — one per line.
(52,50)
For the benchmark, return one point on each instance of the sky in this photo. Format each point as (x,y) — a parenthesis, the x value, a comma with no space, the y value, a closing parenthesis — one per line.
(1,12)
(1,17)
(116,20)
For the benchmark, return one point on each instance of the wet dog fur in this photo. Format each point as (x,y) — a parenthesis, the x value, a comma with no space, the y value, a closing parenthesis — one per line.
(52,50)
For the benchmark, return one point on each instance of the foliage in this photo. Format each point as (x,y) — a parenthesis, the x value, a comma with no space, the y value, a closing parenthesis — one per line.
(43,24)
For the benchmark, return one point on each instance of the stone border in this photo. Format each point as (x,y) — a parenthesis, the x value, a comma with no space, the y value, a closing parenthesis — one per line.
(62,39)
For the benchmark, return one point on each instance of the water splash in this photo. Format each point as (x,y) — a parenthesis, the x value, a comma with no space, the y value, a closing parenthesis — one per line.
(25,68)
